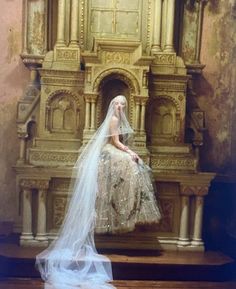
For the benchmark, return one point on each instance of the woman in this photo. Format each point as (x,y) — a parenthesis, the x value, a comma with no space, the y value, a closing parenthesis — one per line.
(125,192)
(110,182)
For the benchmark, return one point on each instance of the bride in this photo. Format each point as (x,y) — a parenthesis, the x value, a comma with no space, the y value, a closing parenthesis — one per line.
(112,192)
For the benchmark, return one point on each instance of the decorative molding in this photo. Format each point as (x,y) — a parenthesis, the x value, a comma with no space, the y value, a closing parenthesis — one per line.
(60,184)
(67,54)
(63,73)
(165,59)
(115,57)
(34,184)
(197,190)
(173,163)
(60,81)
(55,157)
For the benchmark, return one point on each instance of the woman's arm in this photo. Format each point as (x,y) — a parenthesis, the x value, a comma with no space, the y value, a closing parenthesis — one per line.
(116,141)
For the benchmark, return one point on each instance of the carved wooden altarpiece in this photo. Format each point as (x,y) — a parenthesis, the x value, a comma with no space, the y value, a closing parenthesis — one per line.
(83,53)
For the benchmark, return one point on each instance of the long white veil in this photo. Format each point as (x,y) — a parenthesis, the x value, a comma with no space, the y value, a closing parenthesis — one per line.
(72,261)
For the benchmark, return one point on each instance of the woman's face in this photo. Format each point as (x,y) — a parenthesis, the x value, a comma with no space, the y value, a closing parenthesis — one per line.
(119,104)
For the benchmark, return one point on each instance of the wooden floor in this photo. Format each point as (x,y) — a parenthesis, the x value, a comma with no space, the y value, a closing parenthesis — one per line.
(37,284)
(131,269)
(131,257)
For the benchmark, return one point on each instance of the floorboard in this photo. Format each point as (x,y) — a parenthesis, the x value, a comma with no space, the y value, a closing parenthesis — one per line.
(37,284)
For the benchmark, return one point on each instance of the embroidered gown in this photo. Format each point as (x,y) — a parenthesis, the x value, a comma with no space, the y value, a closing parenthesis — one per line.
(126,194)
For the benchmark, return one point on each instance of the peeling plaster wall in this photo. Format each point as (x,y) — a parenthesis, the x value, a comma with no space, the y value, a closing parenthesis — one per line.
(13,79)
(217,89)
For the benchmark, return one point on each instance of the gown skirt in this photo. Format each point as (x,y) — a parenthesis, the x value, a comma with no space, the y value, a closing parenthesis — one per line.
(126,196)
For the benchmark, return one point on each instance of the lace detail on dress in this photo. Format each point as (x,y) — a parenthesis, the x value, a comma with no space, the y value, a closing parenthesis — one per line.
(125,195)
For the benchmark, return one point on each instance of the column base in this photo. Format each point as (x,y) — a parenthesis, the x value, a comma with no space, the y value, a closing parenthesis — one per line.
(20,162)
(26,236)
(60,44)
(74,44)
(26,239)
(197,242)
(156,49)
(41,237)
(182,242)
(169,49)
(38,243)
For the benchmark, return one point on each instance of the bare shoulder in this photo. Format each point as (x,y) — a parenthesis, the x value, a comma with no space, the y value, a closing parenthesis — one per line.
(114,120)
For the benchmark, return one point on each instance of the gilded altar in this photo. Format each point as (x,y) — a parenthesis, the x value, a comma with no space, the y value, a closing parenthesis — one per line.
(83,53)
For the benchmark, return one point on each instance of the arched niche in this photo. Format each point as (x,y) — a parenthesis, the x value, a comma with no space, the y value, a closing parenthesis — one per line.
(109,90)
(163,121)
(112,85)
(63,114)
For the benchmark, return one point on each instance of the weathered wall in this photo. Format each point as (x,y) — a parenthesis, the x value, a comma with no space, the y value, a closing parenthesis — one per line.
(13,79)
(217,88)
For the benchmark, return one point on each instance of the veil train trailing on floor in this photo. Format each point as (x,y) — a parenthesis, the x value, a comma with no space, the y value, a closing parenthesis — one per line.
(71,260)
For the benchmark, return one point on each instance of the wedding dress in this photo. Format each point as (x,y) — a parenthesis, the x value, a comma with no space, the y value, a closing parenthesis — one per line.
(126,196)
(111,192)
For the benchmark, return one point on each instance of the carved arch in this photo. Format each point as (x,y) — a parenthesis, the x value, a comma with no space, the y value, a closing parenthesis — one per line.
(171,99)
(119,73)
(56,93)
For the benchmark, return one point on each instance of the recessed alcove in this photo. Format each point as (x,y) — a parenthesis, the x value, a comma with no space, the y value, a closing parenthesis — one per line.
(109,88)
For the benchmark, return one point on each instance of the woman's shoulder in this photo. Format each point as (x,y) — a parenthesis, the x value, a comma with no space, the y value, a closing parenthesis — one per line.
(114,119)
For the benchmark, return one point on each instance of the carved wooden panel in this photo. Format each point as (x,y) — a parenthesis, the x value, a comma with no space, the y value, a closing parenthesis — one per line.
(63,114)
(57,201)
(106,19)
(163,121)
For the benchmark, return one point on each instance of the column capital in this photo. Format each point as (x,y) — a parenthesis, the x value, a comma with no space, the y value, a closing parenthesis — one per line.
(41,184)
(190,190)
(140,99)
(90,97)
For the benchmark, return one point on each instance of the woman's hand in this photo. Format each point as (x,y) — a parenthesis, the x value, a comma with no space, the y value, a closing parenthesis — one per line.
(133,155)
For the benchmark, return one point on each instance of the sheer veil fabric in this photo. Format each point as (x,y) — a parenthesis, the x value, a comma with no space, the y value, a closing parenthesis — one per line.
(71,260)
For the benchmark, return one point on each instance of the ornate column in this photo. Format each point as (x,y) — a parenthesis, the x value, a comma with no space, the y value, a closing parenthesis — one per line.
(41,235)
(199,29)
(142,123)
(197,229)
(169,41)
(74,23)
(156,47)
(25,50)
(27,237)
(184,222)
(27,215)
(87,114)
(27,234)
(200,192)
(61,23)
(93,103)
(137,116)
(22,136)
